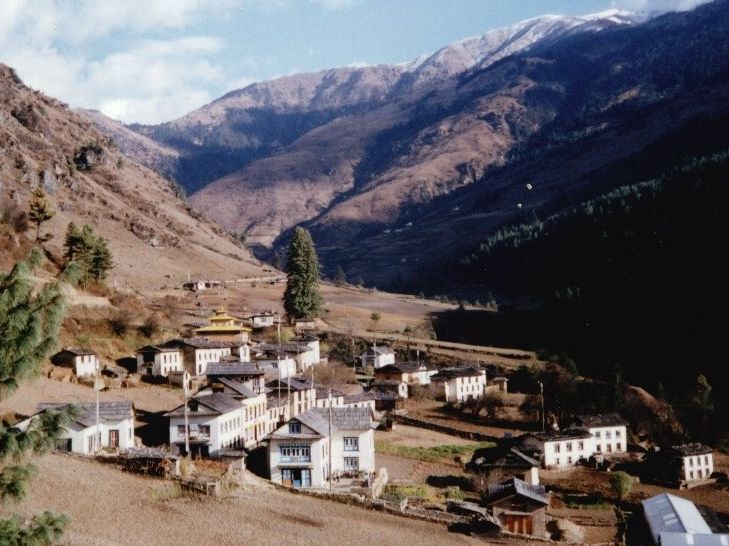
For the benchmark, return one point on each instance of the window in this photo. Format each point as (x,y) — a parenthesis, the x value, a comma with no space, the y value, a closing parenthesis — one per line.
(691,462)
(618,447)
(351,444)
(204,430)
(569,447)
(569,460)
(608,435)
(181,430)
(581,445)
(556,461)
(295,427)
(295,454)
(617,433)
(351,463)
(609,448)
(556,448)
(691,475)
(706,459)
(598,448)
(598,434)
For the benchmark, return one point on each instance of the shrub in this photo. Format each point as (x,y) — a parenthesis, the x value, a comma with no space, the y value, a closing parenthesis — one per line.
(621,484)
(151,326)
(120,322)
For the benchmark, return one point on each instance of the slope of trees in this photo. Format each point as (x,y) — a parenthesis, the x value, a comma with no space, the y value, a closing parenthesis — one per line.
(635,277)
(29,324)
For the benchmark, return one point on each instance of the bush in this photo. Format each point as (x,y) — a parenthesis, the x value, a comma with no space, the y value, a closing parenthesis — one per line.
(120,322)
(151,326)
(454,492)
(12,214)
(621,484)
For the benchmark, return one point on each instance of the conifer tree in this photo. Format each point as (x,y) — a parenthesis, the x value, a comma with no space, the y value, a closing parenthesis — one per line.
(39,209)
(73,243)
(101,260)
(302,298)
(340,277)
(29,323)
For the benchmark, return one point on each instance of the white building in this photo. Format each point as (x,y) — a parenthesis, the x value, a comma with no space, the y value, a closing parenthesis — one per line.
(116,426)
(300,395)
(462,383)
(311,341)
(159,361)
(84,361)
(609,431)
(377,356)
(303,355)
(561,449)
(276,363)
(412,373)
(262,319)
(298,451)
(693,461)
(198,352)
(242,372)
(218,421)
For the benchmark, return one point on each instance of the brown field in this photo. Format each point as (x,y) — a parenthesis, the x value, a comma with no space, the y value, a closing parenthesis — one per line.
(108,507)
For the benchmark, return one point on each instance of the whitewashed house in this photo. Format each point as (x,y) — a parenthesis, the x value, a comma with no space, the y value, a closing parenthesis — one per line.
(115,430)
(84,361)
(684,464)
(609,431)
(159,361)
(412,373)
(262,319)
(216,422)
(241,372)
(462,383)
(303,355)
(311,341)
(298,451)
(300,395)
(377,356)
(198,352)
(561,449)
(275,363)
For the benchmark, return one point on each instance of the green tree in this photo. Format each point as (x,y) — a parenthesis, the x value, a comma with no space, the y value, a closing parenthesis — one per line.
(73,243)
(91,251)
(700,408)
(39,209)
(301,297)
(29,322)
(621,484)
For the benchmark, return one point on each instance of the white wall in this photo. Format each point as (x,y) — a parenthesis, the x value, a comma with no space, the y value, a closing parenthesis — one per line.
(319,458)
(697,467)
(85,365)
(82,437)
(610,440)
(365,452)
(203,357)
(564,453)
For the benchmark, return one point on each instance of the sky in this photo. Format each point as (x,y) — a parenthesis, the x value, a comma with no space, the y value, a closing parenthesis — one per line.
(149,61)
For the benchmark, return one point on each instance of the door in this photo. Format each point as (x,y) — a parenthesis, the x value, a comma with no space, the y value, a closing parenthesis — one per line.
(113,438)
(305,478)
(518,524)
(287,478)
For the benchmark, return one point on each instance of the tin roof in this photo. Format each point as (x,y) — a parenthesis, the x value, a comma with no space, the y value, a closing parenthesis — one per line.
(666,513)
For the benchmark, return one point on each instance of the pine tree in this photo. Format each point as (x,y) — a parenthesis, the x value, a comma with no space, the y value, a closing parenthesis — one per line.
(101,260)
(73,243)
(39,209)
(29,323)
(302,298)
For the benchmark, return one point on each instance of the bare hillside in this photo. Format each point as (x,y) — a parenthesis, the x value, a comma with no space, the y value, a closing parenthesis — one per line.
(153,234)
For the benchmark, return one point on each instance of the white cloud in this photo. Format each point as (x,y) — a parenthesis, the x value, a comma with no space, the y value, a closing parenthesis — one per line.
(65,49)
(657,5)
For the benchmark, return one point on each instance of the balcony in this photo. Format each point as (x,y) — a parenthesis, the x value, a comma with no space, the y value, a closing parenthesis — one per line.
(300,459)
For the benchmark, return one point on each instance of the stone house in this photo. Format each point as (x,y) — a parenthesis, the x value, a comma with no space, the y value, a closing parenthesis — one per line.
(84,361)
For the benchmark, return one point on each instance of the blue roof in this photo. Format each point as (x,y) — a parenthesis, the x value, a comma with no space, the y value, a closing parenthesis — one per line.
(667,513)
(688,539)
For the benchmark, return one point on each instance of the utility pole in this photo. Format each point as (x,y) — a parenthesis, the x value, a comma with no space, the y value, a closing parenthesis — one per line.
(541,396)
(330,439)
(186,391)
(97,388)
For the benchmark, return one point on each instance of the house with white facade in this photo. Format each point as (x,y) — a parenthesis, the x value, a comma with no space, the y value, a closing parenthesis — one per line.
(412,373)
(681,465)
(275,363)
(84,361)
(115,429)
(312,341)
(241,372)
(461,383)
(300,395)
(561,449)
(304,356)
(198,352)
(609,431)
(262,319)
(377,356)
(299,450)
(159,361)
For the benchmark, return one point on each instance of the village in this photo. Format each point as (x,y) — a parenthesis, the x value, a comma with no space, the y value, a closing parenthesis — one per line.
(393,427)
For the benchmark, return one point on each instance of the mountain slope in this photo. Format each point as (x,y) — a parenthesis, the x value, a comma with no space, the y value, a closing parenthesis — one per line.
(154,236)
(441,140)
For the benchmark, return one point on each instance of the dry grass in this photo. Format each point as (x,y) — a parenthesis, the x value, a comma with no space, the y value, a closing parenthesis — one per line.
(108,507)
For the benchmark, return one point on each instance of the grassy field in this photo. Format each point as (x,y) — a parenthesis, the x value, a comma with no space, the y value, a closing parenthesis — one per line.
(431,454)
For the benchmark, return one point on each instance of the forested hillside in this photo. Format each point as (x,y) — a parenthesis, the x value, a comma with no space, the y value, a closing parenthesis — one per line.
(635,278)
